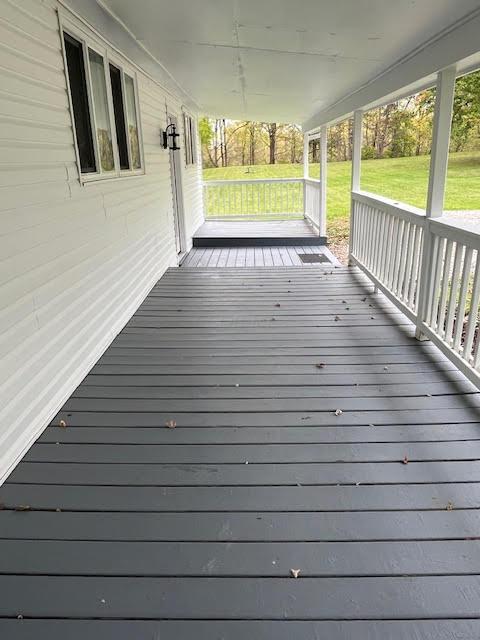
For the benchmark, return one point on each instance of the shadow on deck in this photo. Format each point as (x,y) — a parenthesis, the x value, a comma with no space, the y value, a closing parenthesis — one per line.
(311,433)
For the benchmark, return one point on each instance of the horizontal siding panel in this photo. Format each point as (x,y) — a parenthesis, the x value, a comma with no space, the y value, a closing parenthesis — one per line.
(32,111)
(31,131)
(34,53)
(76,260)
(17,219)
(46,234)
(31,16)
(30,87)
(11,197)
(20,152)
(26,175)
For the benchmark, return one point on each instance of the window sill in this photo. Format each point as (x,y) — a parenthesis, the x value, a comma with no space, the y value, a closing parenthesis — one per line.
(85,180)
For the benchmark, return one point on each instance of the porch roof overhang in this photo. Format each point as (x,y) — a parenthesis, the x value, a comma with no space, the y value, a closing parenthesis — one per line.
(310,62)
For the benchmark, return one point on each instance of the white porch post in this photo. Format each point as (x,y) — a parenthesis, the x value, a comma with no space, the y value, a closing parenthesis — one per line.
(356,166)
(322,215)
(442,118)
(305,170)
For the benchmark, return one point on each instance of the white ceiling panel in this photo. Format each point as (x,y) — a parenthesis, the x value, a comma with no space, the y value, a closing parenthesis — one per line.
(277,59)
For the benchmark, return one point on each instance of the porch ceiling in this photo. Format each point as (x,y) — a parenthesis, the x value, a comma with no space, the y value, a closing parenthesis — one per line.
(279,60)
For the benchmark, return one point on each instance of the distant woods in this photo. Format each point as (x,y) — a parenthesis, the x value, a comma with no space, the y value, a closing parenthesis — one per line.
(398,129)
(231,142)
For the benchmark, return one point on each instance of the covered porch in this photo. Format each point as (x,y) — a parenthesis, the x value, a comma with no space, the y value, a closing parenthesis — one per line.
(261,451)
(213,430)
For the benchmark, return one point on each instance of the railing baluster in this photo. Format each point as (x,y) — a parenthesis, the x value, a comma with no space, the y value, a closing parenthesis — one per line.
(406,263)
(458,331)
(473,312)
(442,305)
(452,302)
(412,298)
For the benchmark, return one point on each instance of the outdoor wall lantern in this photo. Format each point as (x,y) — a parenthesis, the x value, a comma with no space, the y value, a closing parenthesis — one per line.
(170,136)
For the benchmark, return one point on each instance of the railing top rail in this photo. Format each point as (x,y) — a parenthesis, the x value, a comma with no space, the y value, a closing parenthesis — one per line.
(393,207)
(314,181)
(448,229)
(219,183)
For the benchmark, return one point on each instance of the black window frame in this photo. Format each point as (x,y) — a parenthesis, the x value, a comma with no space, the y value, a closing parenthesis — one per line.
(83,93)
(80,104)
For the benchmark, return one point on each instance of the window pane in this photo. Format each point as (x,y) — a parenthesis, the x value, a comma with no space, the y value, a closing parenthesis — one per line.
(81,112)
(132,122)
(118,110)
(100,104)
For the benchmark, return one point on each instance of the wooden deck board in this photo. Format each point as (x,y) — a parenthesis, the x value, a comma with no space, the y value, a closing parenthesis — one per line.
(265,256)
(363,473)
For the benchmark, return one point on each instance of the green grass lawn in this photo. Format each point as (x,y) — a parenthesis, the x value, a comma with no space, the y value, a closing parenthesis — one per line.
(403,179)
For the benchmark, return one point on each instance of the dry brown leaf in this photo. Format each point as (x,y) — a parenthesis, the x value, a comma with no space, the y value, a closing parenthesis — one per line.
(62,424)
(23,507)
(171,424)
(295,573)
(337,318)
(338,412)
(321,365)
(405,460)
(449,506)
(278,304)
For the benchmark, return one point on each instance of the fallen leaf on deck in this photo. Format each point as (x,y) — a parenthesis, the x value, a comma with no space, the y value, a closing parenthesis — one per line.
(337,318)
(278,304)
(338,412)
(295,573)
(405,460)
(23,507)
(62,424)
(171,424)
(449,506)
(321,365)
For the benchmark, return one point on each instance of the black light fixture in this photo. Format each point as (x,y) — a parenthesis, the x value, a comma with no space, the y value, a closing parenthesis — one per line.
(170,132)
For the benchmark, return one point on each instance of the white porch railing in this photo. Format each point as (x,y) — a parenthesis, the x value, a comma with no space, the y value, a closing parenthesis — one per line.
(312,200)
(428,268)
(273,197)
(253,197)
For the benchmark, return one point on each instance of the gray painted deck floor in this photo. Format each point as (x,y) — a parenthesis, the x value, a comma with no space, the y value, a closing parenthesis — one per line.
(284,256)
(313,433)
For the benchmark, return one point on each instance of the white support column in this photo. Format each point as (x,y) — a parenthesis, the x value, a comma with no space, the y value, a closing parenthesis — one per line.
(442,119)
(356,165)
(322,216)
(305,170)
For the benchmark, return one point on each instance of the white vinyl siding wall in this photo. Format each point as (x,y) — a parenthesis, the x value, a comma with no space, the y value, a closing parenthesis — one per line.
(75,261)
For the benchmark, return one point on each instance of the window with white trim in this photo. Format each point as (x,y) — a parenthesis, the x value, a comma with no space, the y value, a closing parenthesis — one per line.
(104,103)
(189,137)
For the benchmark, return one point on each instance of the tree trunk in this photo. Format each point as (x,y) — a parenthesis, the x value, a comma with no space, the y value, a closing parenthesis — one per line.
(272,138)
